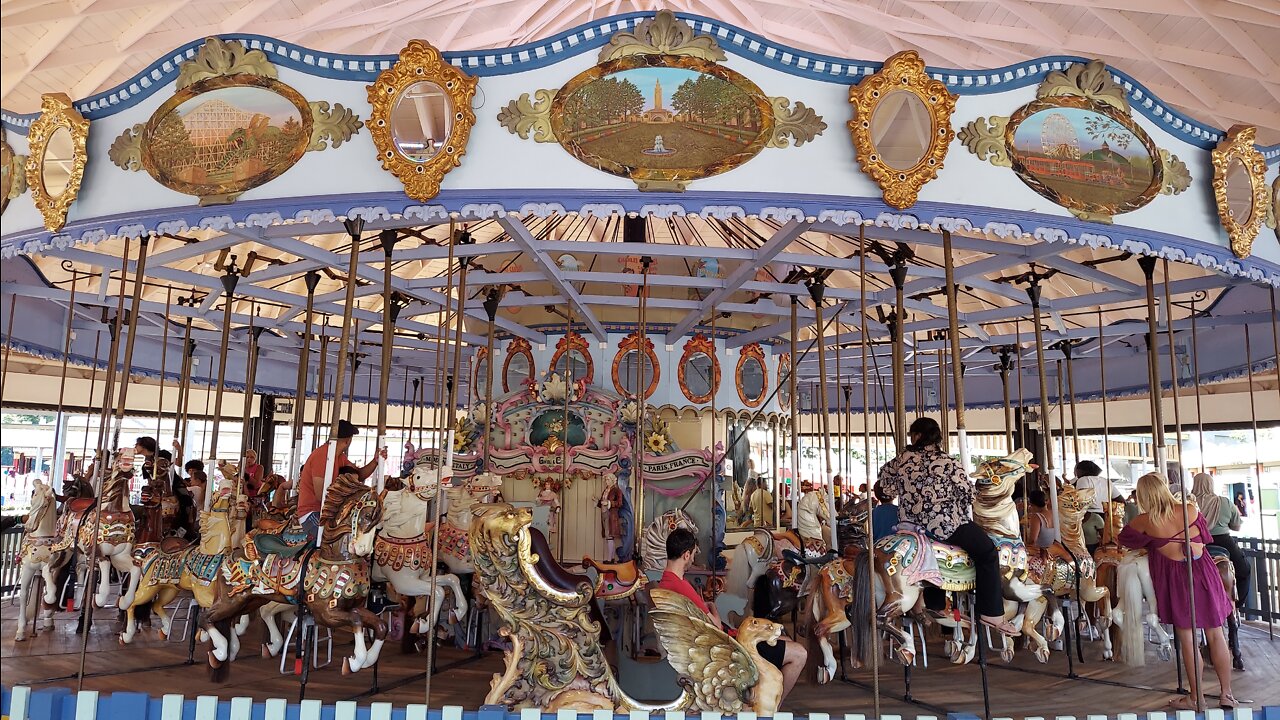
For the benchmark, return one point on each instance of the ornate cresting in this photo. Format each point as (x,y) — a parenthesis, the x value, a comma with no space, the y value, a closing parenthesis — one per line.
(652,146)
(1118,170)
(902,73)
(1238,147)
(556,660)
(13,174)
(421,63)
(229,149)
(57,114)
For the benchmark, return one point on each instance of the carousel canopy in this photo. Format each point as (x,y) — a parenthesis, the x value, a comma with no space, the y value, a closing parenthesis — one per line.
(1213,59)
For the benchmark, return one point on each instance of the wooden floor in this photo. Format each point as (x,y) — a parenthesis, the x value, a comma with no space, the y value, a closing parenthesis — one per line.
(156,667)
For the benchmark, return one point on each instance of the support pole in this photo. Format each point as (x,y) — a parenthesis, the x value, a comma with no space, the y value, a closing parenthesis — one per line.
(1067,353)
(229,282)
(866,446)
(491,303)
(312,279)
(1257,469)
(1148,265)
(795,420)
(1173,381)
(957,369)
(1033,293)
(642,403)
(1106,427)
(321,385)
(899,274)
(164,358)
(57,475)
(389,313)
(1006,365)
(816,291)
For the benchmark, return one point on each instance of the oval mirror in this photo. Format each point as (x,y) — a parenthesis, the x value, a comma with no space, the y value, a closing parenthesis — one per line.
(1239,191)
(751,380)
(421,121)
(56,163)
(481,383)
(901,129)
(628,369)
(784,383)
(573,364)
(517,371)
(698,369)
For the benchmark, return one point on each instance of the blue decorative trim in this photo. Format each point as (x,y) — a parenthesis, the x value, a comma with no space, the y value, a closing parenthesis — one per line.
(581,39)
(391,207)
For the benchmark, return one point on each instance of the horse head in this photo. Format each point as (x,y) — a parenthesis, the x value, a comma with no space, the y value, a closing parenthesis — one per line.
(997,477)
(42,502)
(352,513)
(655,536)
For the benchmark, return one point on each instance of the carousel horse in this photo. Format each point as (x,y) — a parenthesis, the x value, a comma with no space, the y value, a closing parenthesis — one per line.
(172,565)
(1127,577)
(402,553)
(753,557)
(556,660)
(262,505)
(455,548)
(114,522)
(1068,569)
(653,544)
(36,557)
(1227,572)
(331,580)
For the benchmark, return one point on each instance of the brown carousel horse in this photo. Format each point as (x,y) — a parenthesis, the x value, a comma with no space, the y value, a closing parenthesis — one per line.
(114,525)
(331,580)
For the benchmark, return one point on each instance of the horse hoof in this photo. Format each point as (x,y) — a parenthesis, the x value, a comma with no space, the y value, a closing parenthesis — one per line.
(1006,655)
(1042,656)
(266,651)
(1237,664)
(346,666)
(213,661)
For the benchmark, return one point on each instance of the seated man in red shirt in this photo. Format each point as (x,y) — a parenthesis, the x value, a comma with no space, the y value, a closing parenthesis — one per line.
(682,548)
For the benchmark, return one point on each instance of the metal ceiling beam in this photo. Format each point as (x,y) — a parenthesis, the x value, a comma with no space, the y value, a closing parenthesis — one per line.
(745,271)
(521,235)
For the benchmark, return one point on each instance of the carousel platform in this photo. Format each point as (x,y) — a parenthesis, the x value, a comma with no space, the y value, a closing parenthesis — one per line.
(1022,689)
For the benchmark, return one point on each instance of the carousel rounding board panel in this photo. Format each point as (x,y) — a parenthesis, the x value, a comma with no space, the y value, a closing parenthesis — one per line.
(55,167)
(1240,187)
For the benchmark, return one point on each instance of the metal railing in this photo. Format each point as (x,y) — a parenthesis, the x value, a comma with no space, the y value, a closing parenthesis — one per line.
(10,545)
(1263,601)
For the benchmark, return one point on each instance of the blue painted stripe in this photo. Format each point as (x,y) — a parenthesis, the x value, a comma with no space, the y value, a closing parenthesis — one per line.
(590,36)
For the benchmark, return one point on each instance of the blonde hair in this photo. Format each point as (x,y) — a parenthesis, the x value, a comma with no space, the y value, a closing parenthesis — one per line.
(1154,497)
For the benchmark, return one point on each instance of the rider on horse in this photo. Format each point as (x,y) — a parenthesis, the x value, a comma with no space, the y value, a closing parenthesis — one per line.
(311,480)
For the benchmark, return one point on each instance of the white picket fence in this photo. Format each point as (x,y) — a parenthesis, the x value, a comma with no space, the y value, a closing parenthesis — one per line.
(55,704)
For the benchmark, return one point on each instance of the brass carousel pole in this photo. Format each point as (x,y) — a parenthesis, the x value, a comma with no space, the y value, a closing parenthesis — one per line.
(389,313)
(455,238)
(442,356)
(1148,265)
(564,460)
(188,371)
(8,343)
(957,369)
(1106,427)
(491,303)
(1020,418)
(109,379)
(1006,364)
(93,381)
(251,380)
(866,444)
(944,400)
(641,402)
(321,385)
(62,382)
(1257,465)
(899,274)
(1062,419)
(311,279)
(1033,293)
(127,369)
(816,291)
(840,410)
(1067,352)
(1173,380)
(1195,381)
(795,420)
(164,357)
(229,282)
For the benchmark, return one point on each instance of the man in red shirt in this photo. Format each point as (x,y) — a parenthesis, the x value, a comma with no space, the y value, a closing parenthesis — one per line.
(311,480)
(682,548)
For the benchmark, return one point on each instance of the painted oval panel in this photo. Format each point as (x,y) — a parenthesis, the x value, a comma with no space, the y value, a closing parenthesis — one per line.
(219,137)
(661,120)
(1084,155)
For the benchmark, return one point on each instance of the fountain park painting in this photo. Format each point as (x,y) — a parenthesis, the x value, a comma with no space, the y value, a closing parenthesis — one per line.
(662,120)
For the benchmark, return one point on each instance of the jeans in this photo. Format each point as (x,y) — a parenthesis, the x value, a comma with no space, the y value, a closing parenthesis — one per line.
(986,562)
(311,524)
(1243,571)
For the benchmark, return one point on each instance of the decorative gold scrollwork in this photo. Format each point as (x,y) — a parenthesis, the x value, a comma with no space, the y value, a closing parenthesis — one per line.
(901,86)
(421,164)
(663,34)
(13,166)
(1238,147)
(57,116)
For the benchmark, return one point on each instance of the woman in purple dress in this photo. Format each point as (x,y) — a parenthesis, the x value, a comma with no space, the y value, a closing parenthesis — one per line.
(1162,530)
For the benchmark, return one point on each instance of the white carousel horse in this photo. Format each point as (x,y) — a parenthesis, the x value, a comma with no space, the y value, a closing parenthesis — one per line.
(402,552)
(812,519)
(36,556)
(653,545)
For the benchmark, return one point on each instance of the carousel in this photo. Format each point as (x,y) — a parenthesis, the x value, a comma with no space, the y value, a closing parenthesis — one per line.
(588,374)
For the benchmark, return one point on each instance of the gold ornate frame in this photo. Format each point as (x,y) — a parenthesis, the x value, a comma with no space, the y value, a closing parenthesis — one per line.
(1238,145)
(518,346)
(629,343)
(747,353)
(420,62)
(902,71)
(574,341)
(784,367)
(56,111)
(699,343)
(1275,207)
(15,169)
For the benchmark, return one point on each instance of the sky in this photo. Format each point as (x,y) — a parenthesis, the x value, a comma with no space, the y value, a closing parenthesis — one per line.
(643,78)
(256,100)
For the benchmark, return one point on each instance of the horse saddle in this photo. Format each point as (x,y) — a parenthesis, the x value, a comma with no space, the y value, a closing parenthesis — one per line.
(797,559)
(171,545)
(79,505)
(616,581)
(920,558)
(1219,554)
(284,545)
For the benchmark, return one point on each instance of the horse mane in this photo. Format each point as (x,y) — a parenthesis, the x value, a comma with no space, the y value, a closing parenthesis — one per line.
(342,491)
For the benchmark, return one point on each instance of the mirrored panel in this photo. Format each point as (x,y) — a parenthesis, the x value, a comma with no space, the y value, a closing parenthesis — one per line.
(421,121)
(751,491)
(58,157)
(573,365)
(901,129)
(518,367)
(1240,187)
(698,369)
(752,379)
(481,381)
(1239,191)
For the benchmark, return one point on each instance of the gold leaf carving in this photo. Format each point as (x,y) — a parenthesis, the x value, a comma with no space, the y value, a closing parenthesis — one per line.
(331,127)
(15,174)
(522,116)
(800,124)
(56,112)
(126,151)
(1177,177)
(662,34)
(217,57)
(985,138)
(1092,81)
(1238,146)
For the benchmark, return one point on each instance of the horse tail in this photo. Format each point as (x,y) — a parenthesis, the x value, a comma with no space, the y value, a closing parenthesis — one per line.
(1132,643)
(860,609)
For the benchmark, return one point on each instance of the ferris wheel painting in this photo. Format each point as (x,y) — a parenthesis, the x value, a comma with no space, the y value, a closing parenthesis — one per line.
(1084,156)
